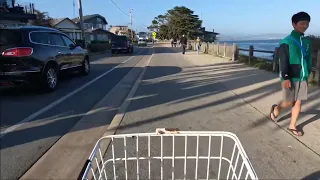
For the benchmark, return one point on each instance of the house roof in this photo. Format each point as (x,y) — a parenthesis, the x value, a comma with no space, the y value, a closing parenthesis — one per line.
(87,17)
(98,29)
(120,26)
(59,20)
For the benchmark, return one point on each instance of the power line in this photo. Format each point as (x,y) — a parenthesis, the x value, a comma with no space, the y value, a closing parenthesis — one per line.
(119,8)
(128,14)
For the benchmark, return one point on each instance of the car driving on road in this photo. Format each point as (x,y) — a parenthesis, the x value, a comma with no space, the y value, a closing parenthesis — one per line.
(121,44)
(142,42)
(36,55)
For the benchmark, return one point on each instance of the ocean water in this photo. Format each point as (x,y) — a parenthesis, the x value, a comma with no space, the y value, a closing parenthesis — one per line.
(268,45)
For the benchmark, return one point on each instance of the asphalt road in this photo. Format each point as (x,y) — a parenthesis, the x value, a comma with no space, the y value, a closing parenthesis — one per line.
(27,142)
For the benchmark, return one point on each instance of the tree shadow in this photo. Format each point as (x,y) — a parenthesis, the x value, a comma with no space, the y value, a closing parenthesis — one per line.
(58,124)
(311,110)
(167,50)
(43,132)
(161,85)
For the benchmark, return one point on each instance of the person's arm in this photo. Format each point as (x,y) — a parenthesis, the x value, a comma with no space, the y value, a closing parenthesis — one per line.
(284,61)
(310,59)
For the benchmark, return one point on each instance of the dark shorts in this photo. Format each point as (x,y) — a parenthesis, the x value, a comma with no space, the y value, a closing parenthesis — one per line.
(298,91)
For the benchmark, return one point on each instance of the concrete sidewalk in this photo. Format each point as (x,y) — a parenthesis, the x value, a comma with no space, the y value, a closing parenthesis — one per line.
(200,92)
(262,89)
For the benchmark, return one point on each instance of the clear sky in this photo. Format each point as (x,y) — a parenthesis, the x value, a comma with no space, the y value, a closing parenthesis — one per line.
(230,17)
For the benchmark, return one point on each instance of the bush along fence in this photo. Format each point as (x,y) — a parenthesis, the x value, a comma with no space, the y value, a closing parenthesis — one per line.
(232,52)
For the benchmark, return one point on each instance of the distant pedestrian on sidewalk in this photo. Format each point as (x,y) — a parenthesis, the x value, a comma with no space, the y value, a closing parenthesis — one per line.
(198,44)
(183,42)
(295,67)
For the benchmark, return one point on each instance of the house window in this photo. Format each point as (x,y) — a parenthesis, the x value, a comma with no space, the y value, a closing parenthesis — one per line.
(99,26)
(87,25)
(100,38)
(99,20)
(91,37)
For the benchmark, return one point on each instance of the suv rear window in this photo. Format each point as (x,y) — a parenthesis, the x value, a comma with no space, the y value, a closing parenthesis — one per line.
(10,37)
(119,38)
(40,37)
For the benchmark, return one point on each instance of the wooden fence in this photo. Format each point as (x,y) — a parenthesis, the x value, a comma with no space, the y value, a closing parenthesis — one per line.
(232,52)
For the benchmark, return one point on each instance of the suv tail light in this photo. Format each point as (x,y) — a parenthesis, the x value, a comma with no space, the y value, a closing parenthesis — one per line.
(18,52)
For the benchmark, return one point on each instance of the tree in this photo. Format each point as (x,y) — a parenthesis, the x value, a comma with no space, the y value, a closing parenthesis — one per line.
(163,32)
(43,19)
(177,21)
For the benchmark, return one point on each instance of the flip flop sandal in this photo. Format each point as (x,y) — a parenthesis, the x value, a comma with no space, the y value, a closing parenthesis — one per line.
(272,113)
(295,132)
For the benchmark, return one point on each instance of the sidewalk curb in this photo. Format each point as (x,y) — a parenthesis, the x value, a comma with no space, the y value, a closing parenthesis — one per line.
(74,145)
(116,121)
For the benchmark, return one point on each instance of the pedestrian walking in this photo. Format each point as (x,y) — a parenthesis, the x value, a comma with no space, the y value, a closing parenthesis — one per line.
(183,42)
(175,42)
(295,67)
(198,44)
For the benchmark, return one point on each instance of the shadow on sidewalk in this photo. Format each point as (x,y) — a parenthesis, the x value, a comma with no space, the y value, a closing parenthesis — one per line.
(313,176)
(167,50)
(167,85)
(203,81)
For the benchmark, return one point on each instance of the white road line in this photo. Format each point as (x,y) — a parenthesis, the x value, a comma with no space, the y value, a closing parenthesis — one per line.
(50,106)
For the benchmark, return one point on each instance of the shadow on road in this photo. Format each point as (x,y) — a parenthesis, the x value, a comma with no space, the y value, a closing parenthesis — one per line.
(68,77)
(167,50)
(167,85)
(59,123)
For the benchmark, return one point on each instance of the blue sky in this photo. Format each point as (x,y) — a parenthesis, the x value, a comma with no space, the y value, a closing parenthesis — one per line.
(229,17)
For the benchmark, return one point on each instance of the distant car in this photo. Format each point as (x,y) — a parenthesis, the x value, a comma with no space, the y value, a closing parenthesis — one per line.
(121,44)
(36,55)
(142,42)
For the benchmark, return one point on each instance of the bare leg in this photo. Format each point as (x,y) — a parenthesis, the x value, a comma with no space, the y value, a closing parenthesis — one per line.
(294,116)
(279,107)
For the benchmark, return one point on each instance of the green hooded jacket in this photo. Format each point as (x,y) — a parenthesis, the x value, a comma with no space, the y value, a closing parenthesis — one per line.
(295,57)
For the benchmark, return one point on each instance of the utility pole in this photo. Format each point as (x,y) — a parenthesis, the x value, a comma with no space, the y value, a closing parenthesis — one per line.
(130,12)
(74,16)
(81,23)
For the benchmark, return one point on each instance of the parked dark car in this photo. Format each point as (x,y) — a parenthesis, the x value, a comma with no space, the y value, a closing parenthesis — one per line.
(121,44)
(36,55)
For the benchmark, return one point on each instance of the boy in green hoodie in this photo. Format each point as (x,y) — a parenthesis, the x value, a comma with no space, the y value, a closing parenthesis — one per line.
(295,66)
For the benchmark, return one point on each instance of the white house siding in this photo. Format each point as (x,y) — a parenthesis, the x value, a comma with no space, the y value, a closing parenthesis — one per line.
(66,24)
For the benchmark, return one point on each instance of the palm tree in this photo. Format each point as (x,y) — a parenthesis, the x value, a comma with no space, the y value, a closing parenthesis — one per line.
(43,19)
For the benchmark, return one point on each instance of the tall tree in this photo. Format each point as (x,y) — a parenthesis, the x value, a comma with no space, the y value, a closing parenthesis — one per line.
(177,21)
(43,19)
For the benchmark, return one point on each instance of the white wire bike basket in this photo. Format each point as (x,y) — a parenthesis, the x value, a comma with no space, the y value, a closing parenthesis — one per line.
(169,154)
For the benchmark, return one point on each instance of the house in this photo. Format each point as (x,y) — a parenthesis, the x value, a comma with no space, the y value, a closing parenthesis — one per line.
(94,21)
(12,15)
(69,27)
(122,31)
(208,36)
(94,27)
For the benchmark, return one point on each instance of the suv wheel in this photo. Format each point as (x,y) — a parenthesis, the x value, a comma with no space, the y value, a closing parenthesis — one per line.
(50,78)
(85,68)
